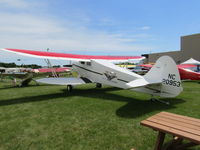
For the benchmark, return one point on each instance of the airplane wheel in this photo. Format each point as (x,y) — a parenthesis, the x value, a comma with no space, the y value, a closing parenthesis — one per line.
(69,88)
(98,85)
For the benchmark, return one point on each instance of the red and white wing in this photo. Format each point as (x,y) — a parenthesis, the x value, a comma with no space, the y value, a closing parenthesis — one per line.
(186,66)
(64,56)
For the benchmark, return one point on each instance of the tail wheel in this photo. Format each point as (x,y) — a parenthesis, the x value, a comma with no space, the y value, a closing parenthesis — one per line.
(69,88)
(98,85)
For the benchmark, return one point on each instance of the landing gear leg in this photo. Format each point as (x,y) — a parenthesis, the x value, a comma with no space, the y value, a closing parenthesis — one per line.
(98,85)
(158,100)
(69,88)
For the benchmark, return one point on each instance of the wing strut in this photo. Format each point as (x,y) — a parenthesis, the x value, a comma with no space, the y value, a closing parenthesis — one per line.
(50,66)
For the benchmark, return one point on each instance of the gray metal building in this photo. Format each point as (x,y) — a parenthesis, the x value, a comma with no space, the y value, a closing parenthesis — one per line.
(190,48)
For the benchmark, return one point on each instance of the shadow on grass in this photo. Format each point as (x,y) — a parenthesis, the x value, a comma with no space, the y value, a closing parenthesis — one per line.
(64,94)
(12,87)
(21,87)
(137,108)
(31,99)
(133,108)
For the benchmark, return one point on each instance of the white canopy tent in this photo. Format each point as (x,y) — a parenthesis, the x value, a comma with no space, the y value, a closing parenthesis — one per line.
(191,61)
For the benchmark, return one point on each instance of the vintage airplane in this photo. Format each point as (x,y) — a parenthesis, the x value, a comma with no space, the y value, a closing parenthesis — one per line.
(162,80)
(26,75)
(48,70)
(188,72)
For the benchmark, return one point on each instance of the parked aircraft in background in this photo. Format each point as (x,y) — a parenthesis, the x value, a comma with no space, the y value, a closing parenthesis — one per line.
(162,80)
(52,72)
(46,70)
(191,69)
(27,74)
(13,70)
(187,71)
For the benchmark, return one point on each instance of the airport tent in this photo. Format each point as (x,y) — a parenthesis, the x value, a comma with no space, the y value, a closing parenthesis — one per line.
(191,61)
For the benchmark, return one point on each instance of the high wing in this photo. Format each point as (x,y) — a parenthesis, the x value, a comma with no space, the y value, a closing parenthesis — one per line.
(186,66)
(65,56)
(49,70)
(187,74)
(73,57)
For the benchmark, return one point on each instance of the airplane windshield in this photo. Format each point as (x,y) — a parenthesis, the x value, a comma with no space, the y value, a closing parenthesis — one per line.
(195,69)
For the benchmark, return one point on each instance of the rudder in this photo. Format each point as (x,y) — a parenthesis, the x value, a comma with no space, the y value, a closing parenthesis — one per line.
(165,70)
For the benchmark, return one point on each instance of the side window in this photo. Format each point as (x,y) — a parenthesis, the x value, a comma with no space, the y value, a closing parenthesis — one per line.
(82,62)
(88,63)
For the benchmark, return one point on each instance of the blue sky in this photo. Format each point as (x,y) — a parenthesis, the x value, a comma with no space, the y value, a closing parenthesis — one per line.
(104,27)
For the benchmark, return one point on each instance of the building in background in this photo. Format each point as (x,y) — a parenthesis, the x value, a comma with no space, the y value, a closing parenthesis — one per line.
(190,48)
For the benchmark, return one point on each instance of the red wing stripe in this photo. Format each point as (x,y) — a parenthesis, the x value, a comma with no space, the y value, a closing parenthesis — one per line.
(73,56)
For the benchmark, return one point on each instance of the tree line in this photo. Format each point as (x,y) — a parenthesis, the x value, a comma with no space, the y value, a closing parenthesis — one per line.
(13,65)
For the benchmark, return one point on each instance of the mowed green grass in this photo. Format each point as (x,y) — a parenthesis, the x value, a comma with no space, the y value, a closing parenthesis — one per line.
(48,117)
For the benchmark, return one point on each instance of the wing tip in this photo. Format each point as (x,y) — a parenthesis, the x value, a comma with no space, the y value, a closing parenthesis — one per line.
(4,49)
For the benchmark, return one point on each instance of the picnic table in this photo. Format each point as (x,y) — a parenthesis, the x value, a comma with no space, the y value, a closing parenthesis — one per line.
(180,127)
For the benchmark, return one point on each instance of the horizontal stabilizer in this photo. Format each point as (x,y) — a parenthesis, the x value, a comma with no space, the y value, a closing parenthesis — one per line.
(140,83)
(162,80)
(62,81)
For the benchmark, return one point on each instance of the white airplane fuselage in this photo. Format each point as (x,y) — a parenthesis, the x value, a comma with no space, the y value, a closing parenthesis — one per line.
(99,71)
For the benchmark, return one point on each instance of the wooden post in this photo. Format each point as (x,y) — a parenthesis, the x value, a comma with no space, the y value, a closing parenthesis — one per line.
(159,141)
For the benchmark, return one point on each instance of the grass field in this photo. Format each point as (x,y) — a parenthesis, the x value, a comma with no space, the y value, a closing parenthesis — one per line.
(47,117)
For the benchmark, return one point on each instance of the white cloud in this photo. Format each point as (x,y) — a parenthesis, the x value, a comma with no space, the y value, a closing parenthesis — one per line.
(11,24)
(145,28)
(106,21)
(14,3)
(33,31)
(29,31)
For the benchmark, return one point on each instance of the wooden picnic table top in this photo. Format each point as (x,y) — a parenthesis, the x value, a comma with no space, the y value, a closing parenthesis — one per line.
(177,125)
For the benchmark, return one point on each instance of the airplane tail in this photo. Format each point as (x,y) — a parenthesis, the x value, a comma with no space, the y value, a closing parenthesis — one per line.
(162,80)
(165,70)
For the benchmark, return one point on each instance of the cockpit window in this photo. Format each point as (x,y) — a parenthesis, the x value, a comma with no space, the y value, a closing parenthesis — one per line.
(88,63)
(82,62)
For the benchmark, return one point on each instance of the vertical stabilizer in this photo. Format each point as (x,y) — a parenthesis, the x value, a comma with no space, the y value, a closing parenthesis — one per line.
(165,71)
